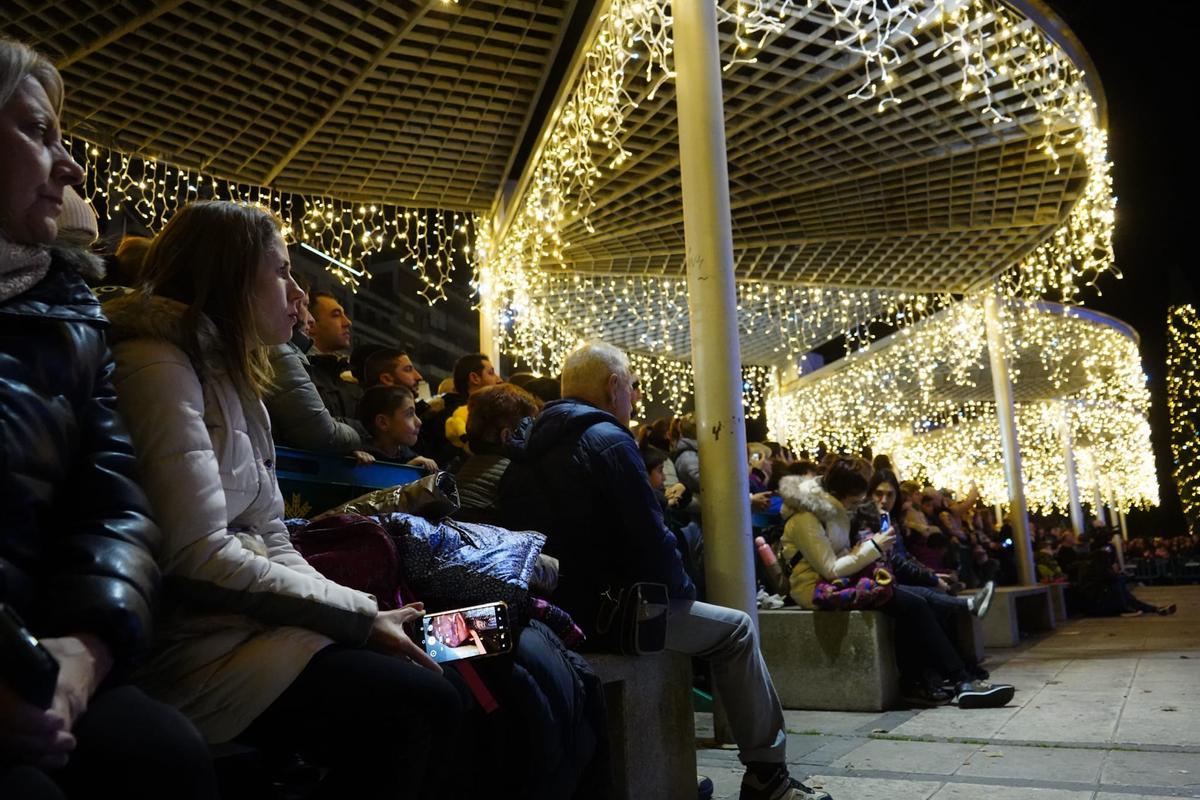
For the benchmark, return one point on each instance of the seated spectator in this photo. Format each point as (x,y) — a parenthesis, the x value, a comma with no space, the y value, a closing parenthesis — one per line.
(687,454)
(389,413)
(673,506)
(77,543)
(821,546)
(328,365)
(299,417)
(390,366)
(444,431)
(494,413)
(1103,587)
(578,477)
(258,647)
(657,434)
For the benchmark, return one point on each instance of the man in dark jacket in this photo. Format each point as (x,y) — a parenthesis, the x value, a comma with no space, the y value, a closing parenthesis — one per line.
(326,360)
(578,477)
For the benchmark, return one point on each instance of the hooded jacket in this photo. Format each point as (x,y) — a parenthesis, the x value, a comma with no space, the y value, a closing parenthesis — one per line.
(244,612)
(77,543)
(687,464)
(818,530)
(577,476)
(299,416)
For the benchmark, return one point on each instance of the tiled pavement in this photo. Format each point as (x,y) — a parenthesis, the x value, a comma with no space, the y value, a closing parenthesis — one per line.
(1106,709)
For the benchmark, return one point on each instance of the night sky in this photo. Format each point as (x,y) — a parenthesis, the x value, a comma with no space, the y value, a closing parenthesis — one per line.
(1145,53)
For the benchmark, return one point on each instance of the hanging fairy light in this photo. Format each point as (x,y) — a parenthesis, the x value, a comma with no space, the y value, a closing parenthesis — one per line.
(430,241)
(1183,403)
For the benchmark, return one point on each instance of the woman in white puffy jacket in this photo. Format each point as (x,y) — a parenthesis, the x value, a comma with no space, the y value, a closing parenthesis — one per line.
(255,644)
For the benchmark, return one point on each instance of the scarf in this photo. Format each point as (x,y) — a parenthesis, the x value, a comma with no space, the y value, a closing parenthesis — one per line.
(22,266)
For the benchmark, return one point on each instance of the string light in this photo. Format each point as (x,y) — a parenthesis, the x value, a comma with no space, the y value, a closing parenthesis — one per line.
(1183,402)
(921,400)
(1008,70)
(431,242)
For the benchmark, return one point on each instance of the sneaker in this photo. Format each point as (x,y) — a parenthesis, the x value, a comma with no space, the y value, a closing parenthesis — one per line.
(1133,613)
(981,694)
(1167,610)
(978,604)
(778,786)
(704,788)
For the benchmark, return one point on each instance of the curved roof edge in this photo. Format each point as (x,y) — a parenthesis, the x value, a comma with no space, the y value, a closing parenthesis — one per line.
(1054,27)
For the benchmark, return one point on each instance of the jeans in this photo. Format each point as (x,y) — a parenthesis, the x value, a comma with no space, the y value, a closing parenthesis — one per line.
(727,639)
(922,646)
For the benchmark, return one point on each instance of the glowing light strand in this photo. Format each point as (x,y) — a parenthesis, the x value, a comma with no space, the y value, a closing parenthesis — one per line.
(1183,403)
(430,241)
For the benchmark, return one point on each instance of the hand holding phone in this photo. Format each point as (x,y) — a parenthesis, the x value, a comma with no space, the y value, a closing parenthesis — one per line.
(389,635)
(884,540)
(25,665)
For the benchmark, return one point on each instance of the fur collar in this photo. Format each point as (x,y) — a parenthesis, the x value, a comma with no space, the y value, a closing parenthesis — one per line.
(138,315)
(805,493)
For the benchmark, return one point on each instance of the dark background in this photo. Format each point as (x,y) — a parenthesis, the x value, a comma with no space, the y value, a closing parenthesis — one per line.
(1145,55)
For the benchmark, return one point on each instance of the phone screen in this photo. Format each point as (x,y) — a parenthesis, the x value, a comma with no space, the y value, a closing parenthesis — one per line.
(885,522)
(467,632)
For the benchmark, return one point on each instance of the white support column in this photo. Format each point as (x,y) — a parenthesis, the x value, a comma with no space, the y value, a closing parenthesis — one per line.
(999,512)
(1124,527)
(712,303)
(1098,506)
(487,335)
(1006,416)
(1064,429)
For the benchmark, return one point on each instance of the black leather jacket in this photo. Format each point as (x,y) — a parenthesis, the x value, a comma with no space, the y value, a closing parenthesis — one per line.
(76,542)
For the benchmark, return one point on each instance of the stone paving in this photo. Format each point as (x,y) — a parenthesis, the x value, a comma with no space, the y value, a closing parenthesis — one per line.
(1106,709)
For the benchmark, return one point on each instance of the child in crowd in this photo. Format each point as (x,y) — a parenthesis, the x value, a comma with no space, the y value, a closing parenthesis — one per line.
(389,413)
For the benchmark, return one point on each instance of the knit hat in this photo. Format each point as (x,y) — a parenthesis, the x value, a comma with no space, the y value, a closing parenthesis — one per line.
(77,224)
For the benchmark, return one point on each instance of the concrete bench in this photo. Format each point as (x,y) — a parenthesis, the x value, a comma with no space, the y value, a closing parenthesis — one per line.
(1016,610)
(651,729)
(1058,601)
(831,660)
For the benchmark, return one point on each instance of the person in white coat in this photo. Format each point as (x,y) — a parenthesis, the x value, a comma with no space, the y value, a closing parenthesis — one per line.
(255,644)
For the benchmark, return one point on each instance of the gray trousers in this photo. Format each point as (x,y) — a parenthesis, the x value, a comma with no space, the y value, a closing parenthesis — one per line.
(727,639)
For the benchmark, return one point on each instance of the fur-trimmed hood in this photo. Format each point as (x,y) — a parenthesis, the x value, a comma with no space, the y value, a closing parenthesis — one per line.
(805,493)
(140,315)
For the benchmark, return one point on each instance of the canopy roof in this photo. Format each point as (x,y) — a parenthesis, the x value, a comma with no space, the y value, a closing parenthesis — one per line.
(924,396)
(879,152)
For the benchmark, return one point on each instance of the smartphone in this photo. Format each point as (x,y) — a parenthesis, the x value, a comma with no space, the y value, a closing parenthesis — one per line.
(885,522)
(25,664)
(471,632)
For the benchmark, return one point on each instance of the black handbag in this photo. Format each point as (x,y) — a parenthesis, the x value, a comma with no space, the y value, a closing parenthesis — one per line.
(632,621)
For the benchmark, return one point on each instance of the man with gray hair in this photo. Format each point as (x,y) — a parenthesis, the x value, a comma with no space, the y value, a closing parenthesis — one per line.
(578,477)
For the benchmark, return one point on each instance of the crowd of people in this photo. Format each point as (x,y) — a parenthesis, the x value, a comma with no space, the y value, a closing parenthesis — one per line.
(147,557)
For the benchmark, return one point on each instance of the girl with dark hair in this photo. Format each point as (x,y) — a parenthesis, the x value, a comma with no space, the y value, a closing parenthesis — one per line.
(256,646)
(822,543)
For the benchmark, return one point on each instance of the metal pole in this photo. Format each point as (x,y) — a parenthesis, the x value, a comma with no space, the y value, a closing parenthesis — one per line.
(1064,429)
(1124,528)
(1006,416)
(712,303)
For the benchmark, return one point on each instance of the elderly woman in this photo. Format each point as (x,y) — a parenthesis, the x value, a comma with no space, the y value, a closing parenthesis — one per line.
(77,567)
(256,645)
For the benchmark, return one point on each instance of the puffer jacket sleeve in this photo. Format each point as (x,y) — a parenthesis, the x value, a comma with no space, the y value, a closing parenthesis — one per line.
(103,577)
(687,470)
(205,564)
(299,417)
(647,546)
(805,534)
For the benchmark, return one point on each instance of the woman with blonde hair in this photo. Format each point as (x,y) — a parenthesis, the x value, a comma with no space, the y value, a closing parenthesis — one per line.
(256,645)
(77,571)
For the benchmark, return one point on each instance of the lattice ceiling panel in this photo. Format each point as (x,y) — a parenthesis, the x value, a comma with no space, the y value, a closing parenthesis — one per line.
(411,103)
(930,195)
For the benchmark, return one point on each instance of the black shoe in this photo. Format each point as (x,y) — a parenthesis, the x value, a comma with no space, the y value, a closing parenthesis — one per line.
(704,788)
(1166,611)
(981,694)
(778,786)
(925,696)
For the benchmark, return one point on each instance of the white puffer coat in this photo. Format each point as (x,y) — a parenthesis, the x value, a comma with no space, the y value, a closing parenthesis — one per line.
(244,612)
(818,529)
